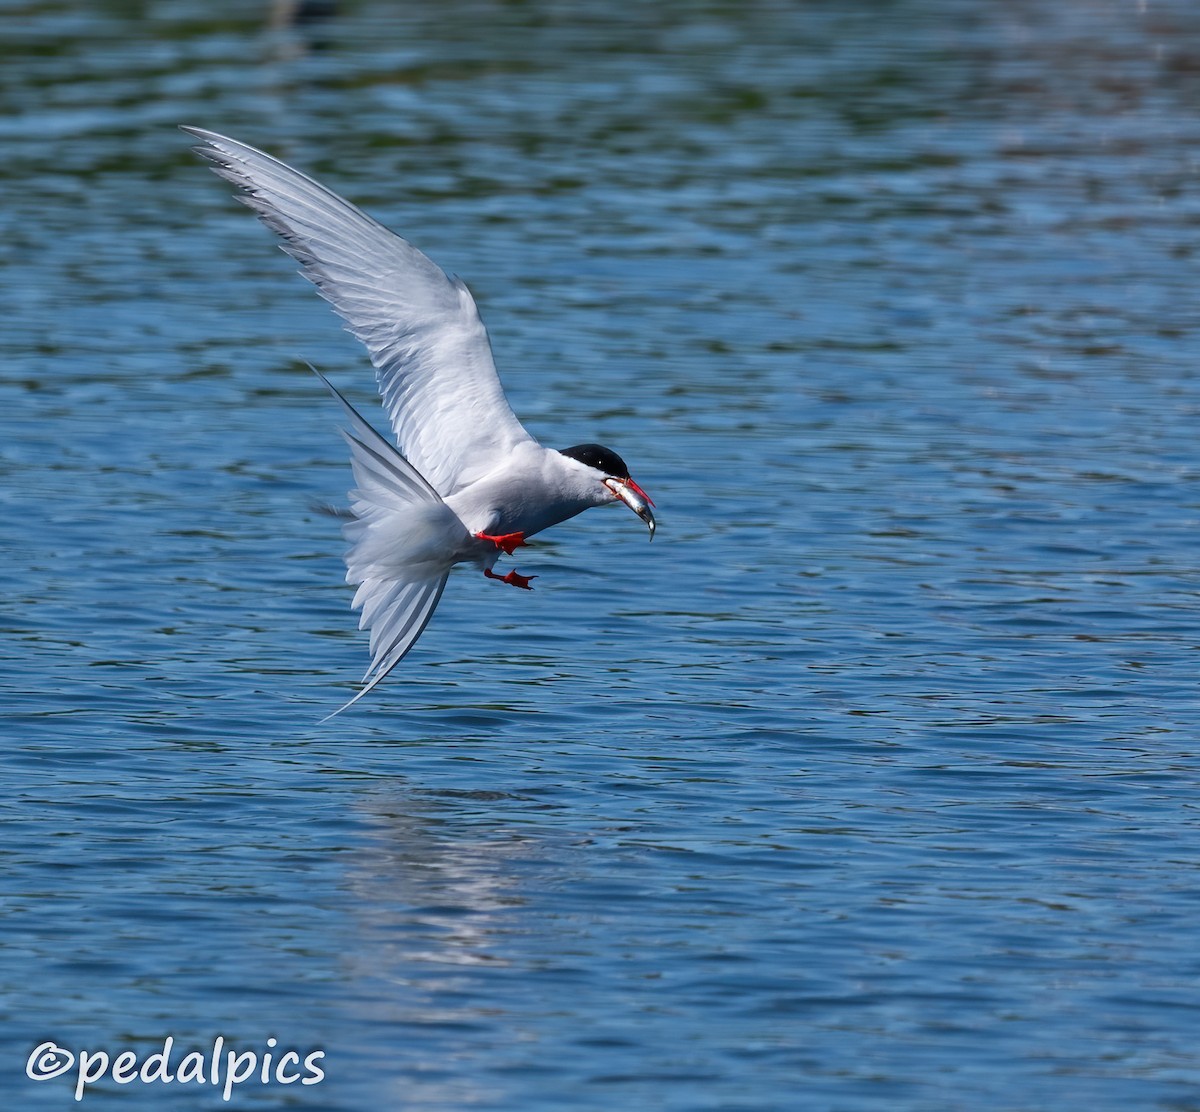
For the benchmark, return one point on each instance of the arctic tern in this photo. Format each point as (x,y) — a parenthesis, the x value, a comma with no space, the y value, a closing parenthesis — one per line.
(465,482)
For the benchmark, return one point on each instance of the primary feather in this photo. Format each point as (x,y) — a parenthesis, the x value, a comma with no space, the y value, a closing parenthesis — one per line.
(431,353)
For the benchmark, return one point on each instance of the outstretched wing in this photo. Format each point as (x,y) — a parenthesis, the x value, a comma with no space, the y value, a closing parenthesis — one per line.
(431,352)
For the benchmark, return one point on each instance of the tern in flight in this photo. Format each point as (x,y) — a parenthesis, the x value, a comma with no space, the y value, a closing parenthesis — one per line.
(465,482)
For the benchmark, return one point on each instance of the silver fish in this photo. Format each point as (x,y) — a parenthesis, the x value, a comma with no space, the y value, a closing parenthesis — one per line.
(635,498)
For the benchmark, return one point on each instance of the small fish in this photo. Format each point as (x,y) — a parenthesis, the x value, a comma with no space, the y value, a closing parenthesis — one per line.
(635,498)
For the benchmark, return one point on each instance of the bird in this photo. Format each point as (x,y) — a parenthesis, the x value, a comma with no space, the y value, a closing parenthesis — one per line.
(464,482)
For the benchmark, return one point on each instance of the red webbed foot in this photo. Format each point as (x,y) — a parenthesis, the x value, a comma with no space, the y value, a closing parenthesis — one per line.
(513,578)
(508,543)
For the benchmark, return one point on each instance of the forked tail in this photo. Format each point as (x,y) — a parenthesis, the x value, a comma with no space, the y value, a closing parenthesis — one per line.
(397,601)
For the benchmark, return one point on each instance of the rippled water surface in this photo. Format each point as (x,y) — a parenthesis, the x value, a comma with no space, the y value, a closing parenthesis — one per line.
(870,785)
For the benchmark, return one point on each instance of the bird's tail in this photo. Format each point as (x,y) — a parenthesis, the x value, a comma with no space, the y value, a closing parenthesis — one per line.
(396,525)
(397,612)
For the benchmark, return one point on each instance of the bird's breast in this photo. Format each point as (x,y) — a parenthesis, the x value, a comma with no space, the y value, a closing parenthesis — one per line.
(499,508)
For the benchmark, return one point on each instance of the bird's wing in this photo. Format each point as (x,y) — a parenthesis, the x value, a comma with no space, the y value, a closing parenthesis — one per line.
(397,612)
(433,361)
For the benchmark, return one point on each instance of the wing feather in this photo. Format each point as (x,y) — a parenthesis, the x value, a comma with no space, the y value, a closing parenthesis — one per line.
(432,357)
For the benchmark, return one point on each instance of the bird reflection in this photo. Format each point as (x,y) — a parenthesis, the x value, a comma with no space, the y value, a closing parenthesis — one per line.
(426,892)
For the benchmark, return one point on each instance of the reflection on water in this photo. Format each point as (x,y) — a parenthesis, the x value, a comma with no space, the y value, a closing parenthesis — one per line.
(451,894)
(428,905)
(869,781)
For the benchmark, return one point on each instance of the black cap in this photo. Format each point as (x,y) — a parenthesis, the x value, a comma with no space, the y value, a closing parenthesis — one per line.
(599,457)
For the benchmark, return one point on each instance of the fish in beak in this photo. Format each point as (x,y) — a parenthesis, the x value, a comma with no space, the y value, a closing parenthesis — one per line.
(635,498)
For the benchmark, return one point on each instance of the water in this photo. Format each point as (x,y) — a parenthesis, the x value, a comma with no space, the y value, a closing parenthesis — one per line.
(870,785)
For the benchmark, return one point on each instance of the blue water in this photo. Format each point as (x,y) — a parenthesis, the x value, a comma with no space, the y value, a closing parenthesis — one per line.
(870,785)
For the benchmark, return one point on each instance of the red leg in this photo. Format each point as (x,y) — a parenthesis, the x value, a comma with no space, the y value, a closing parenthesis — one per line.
(508,543)
(513,578)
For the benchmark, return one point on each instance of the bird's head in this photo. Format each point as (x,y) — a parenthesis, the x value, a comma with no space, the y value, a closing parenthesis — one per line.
(613,475)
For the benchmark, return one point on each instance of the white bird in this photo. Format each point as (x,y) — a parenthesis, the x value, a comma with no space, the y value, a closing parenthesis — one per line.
(466,482)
